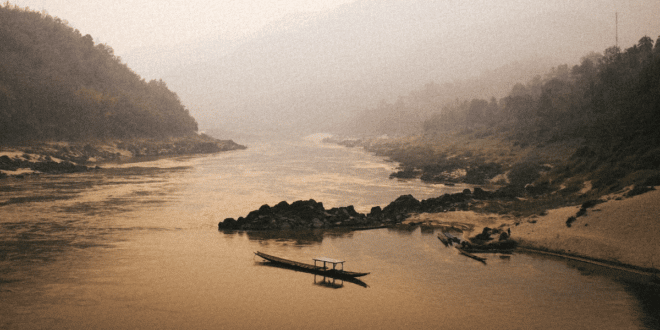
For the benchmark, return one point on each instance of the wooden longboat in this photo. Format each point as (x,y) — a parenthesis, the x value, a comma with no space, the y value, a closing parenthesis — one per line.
(482,250)
(443,239)
(470,255)
(448,239)
(320,270)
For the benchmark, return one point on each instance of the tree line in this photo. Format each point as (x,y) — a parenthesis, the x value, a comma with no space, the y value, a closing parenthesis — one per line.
(607,100)
(609,104)
(56,84)
(607,108)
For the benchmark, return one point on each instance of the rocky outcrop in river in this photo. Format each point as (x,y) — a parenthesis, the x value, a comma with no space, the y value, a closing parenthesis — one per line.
(70,157)
(311,214)
(28,164)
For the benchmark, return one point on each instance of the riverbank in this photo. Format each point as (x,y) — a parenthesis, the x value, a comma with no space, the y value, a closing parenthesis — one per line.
(454,158)
(19,160)
(620,231)
(547,194)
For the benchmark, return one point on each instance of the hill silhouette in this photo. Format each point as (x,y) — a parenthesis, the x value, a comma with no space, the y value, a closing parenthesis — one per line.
(56,84)
(308,72)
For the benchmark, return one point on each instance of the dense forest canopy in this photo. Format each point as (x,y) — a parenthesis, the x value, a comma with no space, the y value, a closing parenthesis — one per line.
(614,90)
(604,112)
(609,104)
(608,99)
(56,84)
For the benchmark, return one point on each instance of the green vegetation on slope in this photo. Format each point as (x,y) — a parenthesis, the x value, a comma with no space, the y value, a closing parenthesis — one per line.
(596,122)
(56,84)
(606,98)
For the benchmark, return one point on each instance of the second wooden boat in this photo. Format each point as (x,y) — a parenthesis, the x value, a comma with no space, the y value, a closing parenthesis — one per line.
(470,255)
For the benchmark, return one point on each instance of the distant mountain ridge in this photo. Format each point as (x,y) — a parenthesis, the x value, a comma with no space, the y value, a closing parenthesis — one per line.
(323,67)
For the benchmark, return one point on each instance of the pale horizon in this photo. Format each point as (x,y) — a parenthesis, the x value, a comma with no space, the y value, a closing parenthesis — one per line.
(348,57)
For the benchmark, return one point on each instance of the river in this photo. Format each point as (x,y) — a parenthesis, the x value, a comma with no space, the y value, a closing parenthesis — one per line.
(136,246)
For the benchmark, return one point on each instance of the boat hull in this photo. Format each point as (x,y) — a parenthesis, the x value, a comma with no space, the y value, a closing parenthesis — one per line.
(336,273)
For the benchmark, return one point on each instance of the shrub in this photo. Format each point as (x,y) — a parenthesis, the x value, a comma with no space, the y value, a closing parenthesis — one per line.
(570,221)
(638,190)
(524,173)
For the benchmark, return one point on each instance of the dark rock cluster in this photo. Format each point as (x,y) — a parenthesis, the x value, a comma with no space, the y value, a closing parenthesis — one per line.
(80,154)
(178,147)
(311,214)
(297,215)
(56,158)
(46,165)
(490,239)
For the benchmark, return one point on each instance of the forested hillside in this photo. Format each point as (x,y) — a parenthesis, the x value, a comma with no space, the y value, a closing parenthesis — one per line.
(596,121)
(609,102)
(56,84)
(617,90)
(407,114)
(614,95)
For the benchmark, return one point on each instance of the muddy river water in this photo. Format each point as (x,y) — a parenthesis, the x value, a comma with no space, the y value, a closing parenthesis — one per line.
(136,246)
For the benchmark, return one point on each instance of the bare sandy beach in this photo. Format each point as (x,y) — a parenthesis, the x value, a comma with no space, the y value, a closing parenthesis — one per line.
(620,231)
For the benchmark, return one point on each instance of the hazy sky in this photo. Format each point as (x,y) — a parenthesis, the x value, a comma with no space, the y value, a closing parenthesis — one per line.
(126,25)
(154,36)
(130,24)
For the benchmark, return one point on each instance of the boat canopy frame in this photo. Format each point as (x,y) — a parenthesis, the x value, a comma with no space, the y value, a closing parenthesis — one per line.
(334,262)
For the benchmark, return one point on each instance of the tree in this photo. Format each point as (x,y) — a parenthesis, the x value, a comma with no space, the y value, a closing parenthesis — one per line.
(476,112)
(612,55)
(520,108)
(645,45)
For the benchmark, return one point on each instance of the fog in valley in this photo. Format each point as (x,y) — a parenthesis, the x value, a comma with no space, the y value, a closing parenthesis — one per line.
(308,67)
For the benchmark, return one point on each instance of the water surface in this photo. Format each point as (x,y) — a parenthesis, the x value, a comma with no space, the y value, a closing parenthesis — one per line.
(136,245)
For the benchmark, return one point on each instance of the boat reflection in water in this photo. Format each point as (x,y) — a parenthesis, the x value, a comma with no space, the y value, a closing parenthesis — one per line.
(335,283)
(330,276)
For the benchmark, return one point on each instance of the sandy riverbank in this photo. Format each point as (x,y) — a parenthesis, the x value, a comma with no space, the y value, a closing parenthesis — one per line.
(620,230)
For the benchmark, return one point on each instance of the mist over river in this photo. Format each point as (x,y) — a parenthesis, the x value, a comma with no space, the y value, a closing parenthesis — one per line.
(136,246)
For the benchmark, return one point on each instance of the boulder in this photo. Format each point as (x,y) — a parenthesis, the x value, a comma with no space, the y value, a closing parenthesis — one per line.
(375,212)
(265,210)
(437,204)
(283,205)
(404,204)
(316,223)
(228,223)
(480,194)
(8,164)
(306,209)
(485,234)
